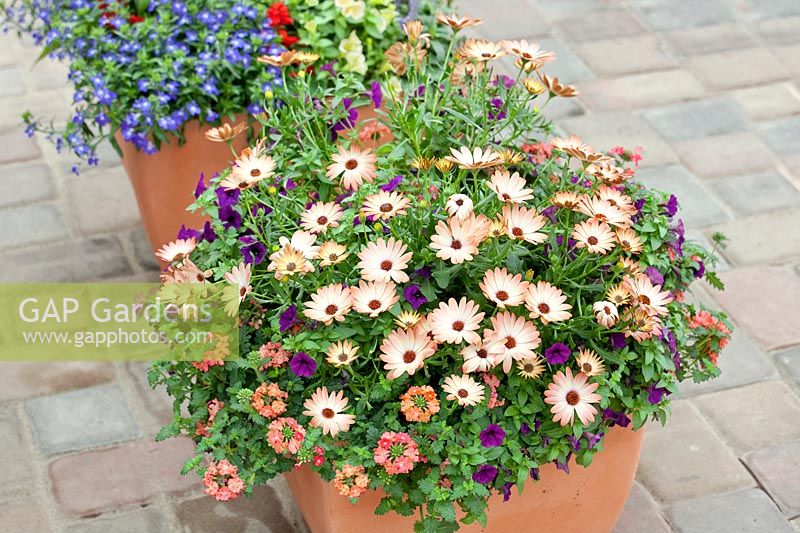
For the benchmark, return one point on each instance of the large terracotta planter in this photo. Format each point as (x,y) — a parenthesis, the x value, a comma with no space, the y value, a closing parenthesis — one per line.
(588,500)
(164,182)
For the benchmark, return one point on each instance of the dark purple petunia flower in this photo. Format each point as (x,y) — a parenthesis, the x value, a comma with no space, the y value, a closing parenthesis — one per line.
(506,488)
(593,438)
(328,67)
(669,339)
(655,394)
(574,442)
(414,296)
(700,271)
(671,207)
(618,341)
(376,95)
(492,436)
(535,474)
(252,250)
(550,213)
(423,273)
(349,121)
(524,428)
(617,418)
(288,318)
(187,233)
(557,354)
(201,186)
(230,217)
(485,474)
(497,104)
(565,465)
(392,185)
(208,232)
(507,81)
(302,365)
(259,208)
(227,198)
(655,276)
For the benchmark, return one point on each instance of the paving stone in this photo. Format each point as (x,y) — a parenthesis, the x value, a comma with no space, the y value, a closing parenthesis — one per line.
(795,524)
(25,515)
(600,25)
(745,511)
(763,300)
(157,403)
(768,101)
(679,14)
(47,104)
(641,90)
(129,474)
(38,184)
(271,510)
(103,201)
(31,224)
(11,82)
(789,362)
(79,260)
(149,519)
(142,249)
(568,67)
(741,363)
(81,419)
(776,470)
(15,462)
(779,30)
(47,74)
(499,25)
(725,155)
(738,68)
(561,108)
(686,459)
(773,8)
(698,206)
(625,55)
(25,380)
(640,514)
(756,193)
(710,39)
(568,8)
(606,130)
(700,118)
(754,416)
(782,135)
(15,145)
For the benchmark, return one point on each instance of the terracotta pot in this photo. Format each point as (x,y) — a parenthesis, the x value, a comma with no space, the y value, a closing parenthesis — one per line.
(164,182)
(588,500)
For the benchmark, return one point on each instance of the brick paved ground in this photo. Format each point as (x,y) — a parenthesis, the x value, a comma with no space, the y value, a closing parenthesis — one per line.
(709,88)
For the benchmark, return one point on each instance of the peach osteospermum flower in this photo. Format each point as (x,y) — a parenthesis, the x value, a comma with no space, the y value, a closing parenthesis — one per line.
(396,452)
(509,187)
(481,356)
(474,159)
(405,351)
(595,236)
(176,250)
(481,50)
(351,481)
(327,411)
(419,404)
(248,170)
(454,241)
(518,337)
(531,368)
(641,324)
(464,390)
(269,400)
(222,481)
(385,205)
(523,223)
(285,434)
(650,297)
(554,86)
(530,56)
(329,303)
(454,322)
(606,313)
(629,241)
(407,319)
(374,297)
(629,266)
(285,59)
(321,216)
(341,353)
(239,276)
(304,241)
(331,253)
(225,132)
(477,226)
(570,395)
(288,261)
(503,288)
(566,199)
(589,363)
(617,199)
(547,303)
(456,22)
(459,206)
(384,260)
(618,295)
(603,211)
(354,166)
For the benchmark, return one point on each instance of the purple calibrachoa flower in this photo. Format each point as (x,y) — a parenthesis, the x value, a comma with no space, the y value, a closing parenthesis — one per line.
(392,185)
(485,474)
(302,365)
(565,465)
(253,251)
(524,429)
(671,207)
(655,276)
(492,436)
(423,272)
(557,354)
(375,94)
(506,488)
(574,442)
(208,232)
(617,418)
(618,341)
(593,438)
(413,295)
(655,394)
(534,474)
(200,188)
(288,318)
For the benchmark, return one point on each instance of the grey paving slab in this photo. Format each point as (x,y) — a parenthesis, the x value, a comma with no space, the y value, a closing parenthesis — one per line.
(782,135)
(698,205)
(697,119)
(776,469)
(746,511)
(756,193)
(684,13)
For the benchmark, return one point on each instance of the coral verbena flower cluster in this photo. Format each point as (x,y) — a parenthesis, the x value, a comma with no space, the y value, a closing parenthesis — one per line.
(445,310)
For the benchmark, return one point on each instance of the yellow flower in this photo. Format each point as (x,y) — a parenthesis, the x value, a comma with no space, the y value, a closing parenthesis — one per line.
(351,44)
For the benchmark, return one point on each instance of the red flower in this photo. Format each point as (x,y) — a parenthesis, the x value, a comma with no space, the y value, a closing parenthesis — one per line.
(287,40)
(135,19)
(278,15)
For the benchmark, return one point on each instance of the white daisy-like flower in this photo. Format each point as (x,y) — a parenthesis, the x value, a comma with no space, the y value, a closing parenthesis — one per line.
(502,288)
(321,216)
(384,260)
(464,390)
(454,322)
(405,351)
(374,297)
(459,206)
(327,411)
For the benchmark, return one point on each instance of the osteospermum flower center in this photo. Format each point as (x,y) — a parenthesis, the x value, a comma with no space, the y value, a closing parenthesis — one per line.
(482,353)
(328,412)
(455,245)
(374,304)
(586,367)
(385,208)
(333,257)
(458,325)
(291,266)
(351,164)
(255,172)
(511,342)
(502,296)
(322,220)
(463,393)
(644,299)
(573,397)
(343,357)
(517,232)
(592,240)
(528,367)
(331,309)
(543,308)
(386,265)
(459,202)
(410,356)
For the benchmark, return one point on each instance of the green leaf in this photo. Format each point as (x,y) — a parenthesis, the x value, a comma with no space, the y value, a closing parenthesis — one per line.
(713,279)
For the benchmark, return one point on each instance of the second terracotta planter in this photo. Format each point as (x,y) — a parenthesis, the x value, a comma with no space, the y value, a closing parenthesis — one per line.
(587,500)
